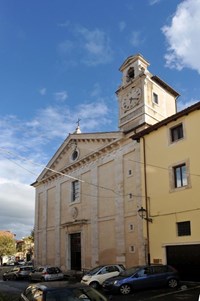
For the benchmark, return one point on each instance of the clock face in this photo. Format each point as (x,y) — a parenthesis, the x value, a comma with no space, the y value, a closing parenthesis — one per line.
(131,99)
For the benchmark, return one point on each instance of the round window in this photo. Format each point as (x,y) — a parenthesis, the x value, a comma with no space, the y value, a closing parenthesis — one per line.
(74,155)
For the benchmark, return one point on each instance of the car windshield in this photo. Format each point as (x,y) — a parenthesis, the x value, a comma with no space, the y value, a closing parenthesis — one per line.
(129,272)
(53,270)
(74,294)
(94,271)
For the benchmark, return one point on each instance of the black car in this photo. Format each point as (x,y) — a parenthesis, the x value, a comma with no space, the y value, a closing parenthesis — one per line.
(18,272)
(61,291)
(141,277)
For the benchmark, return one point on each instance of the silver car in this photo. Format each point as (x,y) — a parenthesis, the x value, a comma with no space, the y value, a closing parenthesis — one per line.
(18,272)
(99,274)
(46,273)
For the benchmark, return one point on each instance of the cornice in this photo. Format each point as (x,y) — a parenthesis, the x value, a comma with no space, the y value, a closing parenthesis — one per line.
(74,223)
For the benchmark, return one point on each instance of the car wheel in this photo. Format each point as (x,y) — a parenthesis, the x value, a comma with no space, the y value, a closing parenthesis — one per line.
(4,278)
(125,289)
(14,277)
(94,284)
(173,283)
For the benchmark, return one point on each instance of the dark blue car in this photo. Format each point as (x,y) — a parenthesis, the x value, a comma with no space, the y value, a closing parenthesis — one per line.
(141,277)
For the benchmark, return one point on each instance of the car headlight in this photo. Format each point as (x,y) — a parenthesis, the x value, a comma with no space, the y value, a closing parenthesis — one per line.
(115,282)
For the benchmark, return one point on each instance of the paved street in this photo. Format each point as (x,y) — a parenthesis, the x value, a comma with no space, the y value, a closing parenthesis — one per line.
(187,292)
(191,294)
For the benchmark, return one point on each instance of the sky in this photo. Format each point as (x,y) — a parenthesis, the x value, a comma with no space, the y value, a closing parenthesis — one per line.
(59,62)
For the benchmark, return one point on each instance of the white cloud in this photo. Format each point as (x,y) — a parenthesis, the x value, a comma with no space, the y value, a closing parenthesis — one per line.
(43,91)
(65,47)
(92,46)
(93,110)
(184,105)
(96,45)
(153,2)
(17,206)
(15,169)
(65,24)
(182,36)
(96,90)
(136,38)
(122,26)
(61,96)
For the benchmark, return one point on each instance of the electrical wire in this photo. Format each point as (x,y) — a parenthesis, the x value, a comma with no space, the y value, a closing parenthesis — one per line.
(78,179)
(62,174)
(22,166)
(160,167)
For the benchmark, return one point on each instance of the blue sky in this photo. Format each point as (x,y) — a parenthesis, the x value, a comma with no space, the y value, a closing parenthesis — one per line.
(59,61)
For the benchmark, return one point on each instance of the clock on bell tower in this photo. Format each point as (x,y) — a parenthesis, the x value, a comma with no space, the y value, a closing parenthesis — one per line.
(131,99)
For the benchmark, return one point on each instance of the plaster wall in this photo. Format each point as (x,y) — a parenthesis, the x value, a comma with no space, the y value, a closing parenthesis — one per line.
(169,205)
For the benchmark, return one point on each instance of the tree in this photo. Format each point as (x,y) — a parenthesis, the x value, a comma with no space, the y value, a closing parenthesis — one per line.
(31,236)
(7,245)
(28,246)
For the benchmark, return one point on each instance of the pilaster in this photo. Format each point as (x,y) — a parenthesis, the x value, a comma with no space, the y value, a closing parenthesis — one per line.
(94,218)
(57,225)
(119,201)
(44,229)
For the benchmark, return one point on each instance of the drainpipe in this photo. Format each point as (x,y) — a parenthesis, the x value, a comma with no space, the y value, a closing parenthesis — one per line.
(146,202)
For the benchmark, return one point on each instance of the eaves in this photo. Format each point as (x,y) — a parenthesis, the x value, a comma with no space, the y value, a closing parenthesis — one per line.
(151,128)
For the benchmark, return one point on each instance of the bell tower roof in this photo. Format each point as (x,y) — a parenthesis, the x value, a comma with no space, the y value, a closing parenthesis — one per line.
(132,59)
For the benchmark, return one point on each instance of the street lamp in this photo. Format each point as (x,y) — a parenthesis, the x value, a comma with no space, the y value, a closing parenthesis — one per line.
(143,214)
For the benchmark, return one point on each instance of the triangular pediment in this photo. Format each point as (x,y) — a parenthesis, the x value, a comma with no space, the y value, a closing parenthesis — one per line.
(76,148)
(131,59)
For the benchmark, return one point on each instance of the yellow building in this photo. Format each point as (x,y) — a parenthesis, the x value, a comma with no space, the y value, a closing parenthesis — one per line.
(88,196)
(171,185)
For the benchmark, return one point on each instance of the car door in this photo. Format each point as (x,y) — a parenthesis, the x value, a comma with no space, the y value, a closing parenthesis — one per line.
(140,278)
(152,277)
(113,270)
(10,273)
(107,272)
(52,272)
(158,276)
(59,273)
(37,274)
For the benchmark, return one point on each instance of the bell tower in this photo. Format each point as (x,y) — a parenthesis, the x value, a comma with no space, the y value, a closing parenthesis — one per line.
(143,99)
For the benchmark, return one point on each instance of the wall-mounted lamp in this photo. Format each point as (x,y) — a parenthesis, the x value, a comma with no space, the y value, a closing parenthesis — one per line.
(143,214)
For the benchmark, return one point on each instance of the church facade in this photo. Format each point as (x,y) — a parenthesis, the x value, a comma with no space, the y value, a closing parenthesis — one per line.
(89,194)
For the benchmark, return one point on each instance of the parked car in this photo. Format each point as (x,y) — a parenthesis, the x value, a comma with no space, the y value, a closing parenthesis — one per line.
(46,273)
(61,291)
(10,263)
(99,274)
(18,272)
(29,262)
(21,261)
(141,278)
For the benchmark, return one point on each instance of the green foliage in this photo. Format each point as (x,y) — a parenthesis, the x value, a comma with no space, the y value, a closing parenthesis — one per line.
(31,236)
(7,245)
